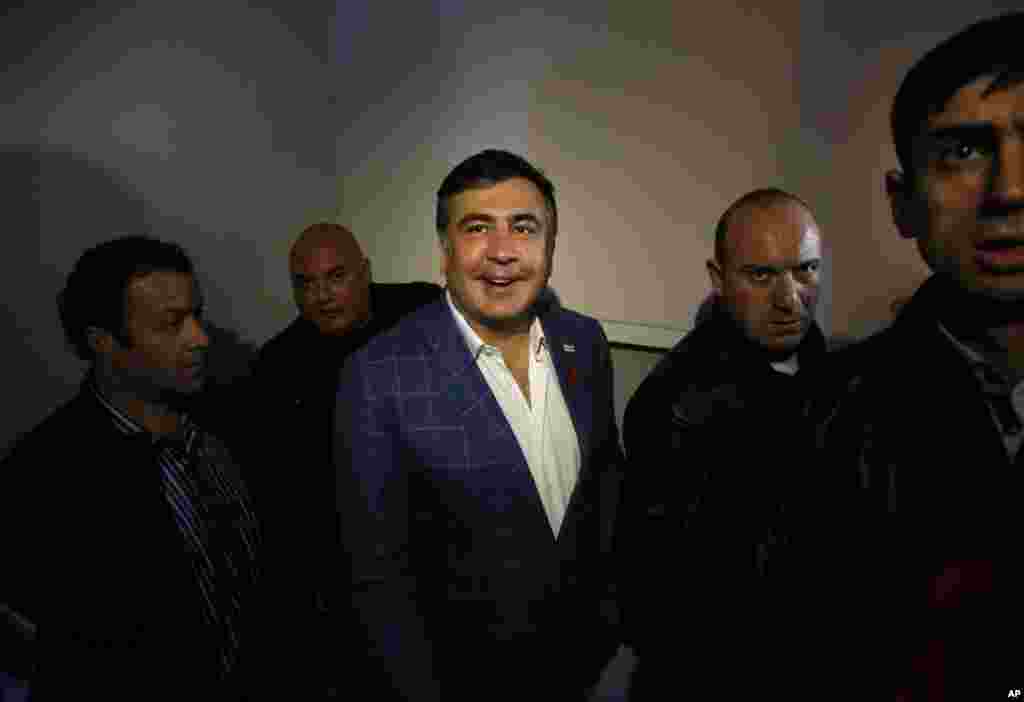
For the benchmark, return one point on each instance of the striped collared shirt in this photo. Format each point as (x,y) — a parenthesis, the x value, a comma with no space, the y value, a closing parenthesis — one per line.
(1004,398)
(211,509)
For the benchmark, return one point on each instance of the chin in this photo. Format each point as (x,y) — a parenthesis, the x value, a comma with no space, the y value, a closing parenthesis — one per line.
(785,345)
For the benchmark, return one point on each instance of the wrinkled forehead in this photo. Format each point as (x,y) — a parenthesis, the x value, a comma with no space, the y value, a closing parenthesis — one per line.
(780,234)
(503,200)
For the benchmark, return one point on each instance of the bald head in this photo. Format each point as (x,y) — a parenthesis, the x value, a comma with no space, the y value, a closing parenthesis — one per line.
(765,270)
(330,278)
(762,198)
(327,235)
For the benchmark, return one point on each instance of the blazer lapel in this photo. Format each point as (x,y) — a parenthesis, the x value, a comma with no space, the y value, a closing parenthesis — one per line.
(572,363)
(464,389)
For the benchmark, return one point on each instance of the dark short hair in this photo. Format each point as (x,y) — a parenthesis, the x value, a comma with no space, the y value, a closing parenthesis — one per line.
(488,168)
(762,197)
(94,294)
(989,47)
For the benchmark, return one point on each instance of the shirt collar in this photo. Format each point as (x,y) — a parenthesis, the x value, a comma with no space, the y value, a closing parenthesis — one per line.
(966,351)
(989,373)
(187,429)
(538,342)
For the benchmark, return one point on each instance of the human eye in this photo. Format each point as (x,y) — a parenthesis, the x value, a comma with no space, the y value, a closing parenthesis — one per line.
(476,228)
(963,150)
(526,228)
(760,275)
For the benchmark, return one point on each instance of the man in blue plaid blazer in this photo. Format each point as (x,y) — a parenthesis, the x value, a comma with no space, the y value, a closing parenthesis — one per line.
(478,465)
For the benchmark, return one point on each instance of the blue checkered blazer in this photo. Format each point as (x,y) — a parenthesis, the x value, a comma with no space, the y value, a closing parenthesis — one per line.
(457,577)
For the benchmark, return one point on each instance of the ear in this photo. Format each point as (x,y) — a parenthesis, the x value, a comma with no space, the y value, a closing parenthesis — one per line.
(899,189)
(100,340)
(715,273)
(445,246)
(549,251)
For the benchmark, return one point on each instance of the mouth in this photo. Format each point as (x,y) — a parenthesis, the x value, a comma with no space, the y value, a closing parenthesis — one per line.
(792,326)
(498,281)
(1000,253)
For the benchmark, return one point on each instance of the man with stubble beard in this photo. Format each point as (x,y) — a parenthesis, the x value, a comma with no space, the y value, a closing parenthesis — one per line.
(477,458)
(715,468)
(922,423)
(128,529)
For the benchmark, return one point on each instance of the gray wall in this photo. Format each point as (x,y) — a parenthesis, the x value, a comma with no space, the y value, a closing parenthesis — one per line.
(228,126)
(208,123)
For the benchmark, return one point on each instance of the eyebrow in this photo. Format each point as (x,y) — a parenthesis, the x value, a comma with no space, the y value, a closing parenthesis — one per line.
(751,267)
(299,277)
(526,217)
(968,131)
(180,311)
(476,217)
(491,219)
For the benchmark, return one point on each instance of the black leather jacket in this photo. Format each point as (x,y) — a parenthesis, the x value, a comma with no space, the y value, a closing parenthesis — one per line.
(715,477)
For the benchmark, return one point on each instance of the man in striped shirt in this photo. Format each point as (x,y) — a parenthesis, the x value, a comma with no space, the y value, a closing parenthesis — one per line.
(132,532)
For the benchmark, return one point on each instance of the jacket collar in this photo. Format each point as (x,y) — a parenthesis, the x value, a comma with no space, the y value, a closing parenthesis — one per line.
(735,347)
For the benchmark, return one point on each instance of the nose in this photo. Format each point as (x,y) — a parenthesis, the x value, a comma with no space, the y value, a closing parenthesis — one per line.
(198,339)
(501,245)
(1008,173)
(786,293)
(318,291)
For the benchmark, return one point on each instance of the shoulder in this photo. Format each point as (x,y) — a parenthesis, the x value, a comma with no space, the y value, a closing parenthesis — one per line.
(861,357)
(394,300)
(414,333)
(690,358)
(665,381)
(61,434)
(282,343)
(571,324)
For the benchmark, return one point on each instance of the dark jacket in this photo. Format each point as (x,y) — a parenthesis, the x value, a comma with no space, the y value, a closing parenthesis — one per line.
(933,526)
(714,480)
(463,590)
(291,402)
(289,405)
(93,557)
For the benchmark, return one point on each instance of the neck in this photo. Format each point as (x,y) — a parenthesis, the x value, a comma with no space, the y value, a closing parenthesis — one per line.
(507,340)
(155,414)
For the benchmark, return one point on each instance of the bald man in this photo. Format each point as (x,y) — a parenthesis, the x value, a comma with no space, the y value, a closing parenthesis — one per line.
(714,468)
(340,309)
(295,381)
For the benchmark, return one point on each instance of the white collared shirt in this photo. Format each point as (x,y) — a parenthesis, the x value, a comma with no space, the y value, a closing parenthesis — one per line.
(543,426)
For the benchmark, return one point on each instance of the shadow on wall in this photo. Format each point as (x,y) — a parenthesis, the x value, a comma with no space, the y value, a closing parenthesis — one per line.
(57,204)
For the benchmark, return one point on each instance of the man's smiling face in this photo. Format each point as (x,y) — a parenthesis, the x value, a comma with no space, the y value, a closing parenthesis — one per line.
(496,254)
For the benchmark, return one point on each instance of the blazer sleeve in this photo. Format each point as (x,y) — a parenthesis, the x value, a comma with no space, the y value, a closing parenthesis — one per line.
(374,507)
